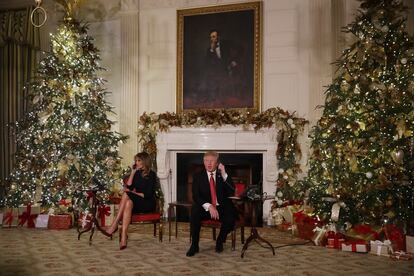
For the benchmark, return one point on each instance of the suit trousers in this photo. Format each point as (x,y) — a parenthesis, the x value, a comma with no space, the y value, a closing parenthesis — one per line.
(227,216)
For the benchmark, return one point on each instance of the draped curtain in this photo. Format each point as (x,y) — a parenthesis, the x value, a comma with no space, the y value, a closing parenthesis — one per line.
(19,43)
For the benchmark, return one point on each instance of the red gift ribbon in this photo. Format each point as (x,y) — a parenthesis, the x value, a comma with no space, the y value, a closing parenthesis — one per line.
(103,212)
(339,240)
(8,218)
(27,216)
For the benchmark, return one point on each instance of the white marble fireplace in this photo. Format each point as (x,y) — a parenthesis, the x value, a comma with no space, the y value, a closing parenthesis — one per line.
(227,139)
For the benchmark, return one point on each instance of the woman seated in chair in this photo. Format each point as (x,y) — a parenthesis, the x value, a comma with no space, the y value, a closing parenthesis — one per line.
(138,196)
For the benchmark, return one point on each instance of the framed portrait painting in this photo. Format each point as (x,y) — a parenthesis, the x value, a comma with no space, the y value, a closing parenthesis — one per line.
(219,57)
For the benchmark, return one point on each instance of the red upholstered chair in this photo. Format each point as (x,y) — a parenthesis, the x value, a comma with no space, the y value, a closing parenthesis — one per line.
(147,218)
(214,224)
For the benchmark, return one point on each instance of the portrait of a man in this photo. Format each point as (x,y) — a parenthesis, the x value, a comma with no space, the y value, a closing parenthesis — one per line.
(219,60)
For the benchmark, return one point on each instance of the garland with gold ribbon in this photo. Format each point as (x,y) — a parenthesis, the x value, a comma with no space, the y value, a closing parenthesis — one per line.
(288,125)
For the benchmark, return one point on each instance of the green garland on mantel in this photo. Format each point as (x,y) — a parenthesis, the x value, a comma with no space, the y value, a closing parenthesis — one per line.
(288,125)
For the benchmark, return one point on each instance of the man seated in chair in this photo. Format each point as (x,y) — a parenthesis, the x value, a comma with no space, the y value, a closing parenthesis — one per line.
(212,188)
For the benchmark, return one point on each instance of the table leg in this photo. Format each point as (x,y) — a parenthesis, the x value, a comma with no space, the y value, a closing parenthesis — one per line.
(169,223)
(254,235)
(94,222)
(176,227)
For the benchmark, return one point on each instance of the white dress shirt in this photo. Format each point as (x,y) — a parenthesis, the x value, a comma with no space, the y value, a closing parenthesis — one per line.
(207,204)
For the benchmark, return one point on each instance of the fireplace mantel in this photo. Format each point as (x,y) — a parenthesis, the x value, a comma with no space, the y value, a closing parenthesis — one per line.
(222,139)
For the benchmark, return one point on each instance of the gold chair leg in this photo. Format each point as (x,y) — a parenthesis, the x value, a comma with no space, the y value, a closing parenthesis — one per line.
(160,230)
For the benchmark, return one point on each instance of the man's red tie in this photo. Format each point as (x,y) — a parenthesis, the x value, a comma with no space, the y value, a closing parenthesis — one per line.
(213,190)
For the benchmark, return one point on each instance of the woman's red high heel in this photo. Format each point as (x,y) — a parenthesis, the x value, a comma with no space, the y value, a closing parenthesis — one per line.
(110,234)
(122,247)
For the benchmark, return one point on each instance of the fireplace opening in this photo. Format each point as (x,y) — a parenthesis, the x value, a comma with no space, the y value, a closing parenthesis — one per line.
(245,168)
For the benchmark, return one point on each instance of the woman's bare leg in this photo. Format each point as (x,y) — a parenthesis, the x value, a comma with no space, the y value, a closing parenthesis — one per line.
(114,225)
(126,220)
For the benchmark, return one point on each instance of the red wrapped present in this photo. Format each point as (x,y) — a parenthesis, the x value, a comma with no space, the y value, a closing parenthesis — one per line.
(305,225)
(363,232)
(330,239)
(28,215)
(396,236)
(10,217)
(58,222)
(355,246)
(339,240)
(85,220)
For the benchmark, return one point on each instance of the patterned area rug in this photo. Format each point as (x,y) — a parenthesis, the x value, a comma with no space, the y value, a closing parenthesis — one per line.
(51,252)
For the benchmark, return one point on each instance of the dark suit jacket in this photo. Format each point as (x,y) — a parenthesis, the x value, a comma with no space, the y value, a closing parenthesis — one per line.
(201,188)
(217,66)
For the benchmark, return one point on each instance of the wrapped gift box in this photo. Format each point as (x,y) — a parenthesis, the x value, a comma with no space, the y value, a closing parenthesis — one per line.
(42,221)
(27,215)
(288,211)
(85,220)
(381,248)
(116,209)
(363,232)
(355,246)
(409,241)
(106,214)
(284,226)
(396,236)
(305,225)
(58,222)
(10,217)
(401,255)
(319,236)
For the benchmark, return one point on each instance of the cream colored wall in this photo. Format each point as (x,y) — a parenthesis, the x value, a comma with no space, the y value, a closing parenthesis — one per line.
(137,39)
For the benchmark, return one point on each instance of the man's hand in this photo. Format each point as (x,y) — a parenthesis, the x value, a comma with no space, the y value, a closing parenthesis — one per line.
(213,212)
(222,170)
(213,45)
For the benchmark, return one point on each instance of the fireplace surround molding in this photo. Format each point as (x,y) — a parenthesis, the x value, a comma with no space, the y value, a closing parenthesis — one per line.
(231,139)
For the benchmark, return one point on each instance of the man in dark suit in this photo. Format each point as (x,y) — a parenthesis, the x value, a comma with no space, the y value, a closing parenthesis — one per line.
(211,191)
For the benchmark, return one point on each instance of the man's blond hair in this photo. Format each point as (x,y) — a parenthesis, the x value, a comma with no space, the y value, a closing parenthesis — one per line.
(211,153)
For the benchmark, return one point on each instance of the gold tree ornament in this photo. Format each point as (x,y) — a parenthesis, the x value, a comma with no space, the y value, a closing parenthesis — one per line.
(397,156)
(70,6)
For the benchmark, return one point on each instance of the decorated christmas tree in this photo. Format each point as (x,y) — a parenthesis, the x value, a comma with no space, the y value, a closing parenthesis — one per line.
(363,147)
(65,144)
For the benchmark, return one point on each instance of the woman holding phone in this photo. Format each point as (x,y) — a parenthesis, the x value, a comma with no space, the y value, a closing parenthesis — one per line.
(138,196)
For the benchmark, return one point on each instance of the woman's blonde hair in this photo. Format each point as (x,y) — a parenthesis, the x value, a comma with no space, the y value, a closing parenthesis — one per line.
(146,162)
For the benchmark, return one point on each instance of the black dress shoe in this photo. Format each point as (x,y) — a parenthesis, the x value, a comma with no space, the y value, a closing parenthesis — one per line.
(192,251)
(219,247)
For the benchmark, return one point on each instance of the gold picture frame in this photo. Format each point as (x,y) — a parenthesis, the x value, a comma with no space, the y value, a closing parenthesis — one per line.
(219,57)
